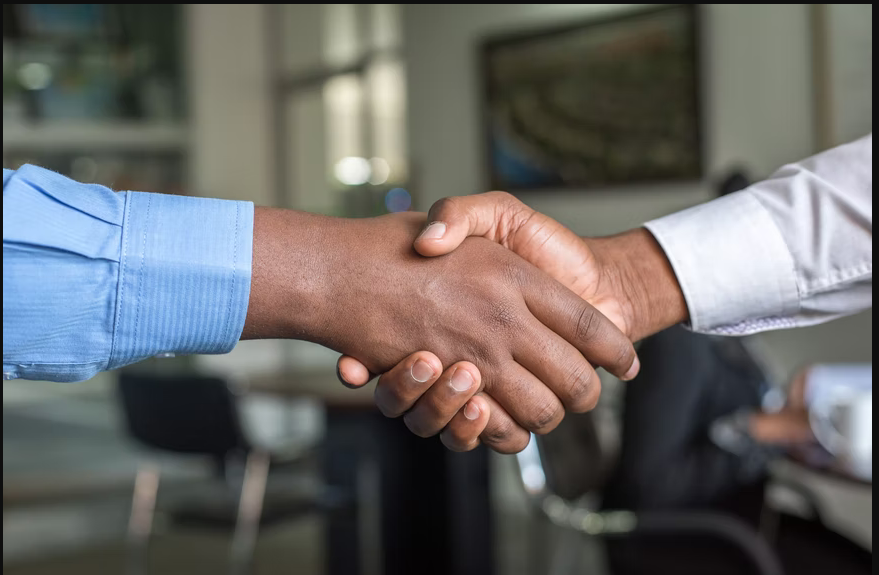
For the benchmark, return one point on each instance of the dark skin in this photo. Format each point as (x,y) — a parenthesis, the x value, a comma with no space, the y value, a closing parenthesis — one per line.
(358,287)
(627,277)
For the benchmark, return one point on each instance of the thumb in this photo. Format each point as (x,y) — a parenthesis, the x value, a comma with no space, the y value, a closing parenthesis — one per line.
(451,220)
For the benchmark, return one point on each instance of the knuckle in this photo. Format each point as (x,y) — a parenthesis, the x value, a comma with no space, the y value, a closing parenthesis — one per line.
(499,432)
(503,316)
(587,324)
(625,355)
(444,206)
(484,356)
(579,386)
(511,272)
(502,197)
(545,418)
(588,400)
(514,444)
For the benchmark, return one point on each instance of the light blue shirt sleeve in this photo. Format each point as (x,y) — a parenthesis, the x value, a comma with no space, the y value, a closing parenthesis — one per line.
(95,279)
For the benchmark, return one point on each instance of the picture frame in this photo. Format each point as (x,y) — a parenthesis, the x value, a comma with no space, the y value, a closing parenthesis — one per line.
(601,103)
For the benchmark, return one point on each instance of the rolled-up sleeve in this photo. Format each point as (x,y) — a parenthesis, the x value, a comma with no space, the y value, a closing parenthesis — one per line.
(95,279)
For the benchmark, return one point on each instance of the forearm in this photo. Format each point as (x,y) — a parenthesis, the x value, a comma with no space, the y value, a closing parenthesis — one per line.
(639,273)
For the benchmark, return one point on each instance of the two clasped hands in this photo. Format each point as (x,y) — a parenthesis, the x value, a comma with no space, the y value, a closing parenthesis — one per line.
(511,311)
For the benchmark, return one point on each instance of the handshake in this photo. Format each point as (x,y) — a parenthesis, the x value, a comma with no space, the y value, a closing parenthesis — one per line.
(512,311)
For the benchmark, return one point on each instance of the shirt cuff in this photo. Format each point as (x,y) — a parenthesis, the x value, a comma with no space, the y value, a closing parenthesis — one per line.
(184,282)
(734,268)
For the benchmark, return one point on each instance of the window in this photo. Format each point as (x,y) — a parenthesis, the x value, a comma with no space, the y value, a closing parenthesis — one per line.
(341,101)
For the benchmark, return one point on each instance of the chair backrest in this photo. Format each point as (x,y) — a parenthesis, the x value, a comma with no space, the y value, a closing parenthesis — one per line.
(571,461)
(575,461)
(183,414)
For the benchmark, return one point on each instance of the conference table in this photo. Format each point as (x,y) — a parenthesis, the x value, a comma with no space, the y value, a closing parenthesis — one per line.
(431,506)
(822,463)
(823,485)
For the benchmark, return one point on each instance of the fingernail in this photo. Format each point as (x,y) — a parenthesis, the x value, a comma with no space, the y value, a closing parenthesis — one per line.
(461,380)
(471,412)
(421,371)
(633,371)
(434,231)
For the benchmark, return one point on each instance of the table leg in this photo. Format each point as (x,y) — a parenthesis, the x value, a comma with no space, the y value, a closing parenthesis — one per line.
(436,512)
(435,504)
(347,442)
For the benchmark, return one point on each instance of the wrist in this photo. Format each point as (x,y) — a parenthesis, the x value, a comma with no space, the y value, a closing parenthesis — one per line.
(636,270)
(290,280)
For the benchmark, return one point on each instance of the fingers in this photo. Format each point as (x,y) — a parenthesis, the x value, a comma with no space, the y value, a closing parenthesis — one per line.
(587,329)
(560,366)
(409,387)
(466,420)
(483,420)
(439,404)
(531,404)
(398,389)
(462,432)
(502,433)
(351,372)
(453,219)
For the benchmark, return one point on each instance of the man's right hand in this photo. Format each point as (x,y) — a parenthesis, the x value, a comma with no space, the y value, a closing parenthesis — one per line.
(358,287)
(626,276)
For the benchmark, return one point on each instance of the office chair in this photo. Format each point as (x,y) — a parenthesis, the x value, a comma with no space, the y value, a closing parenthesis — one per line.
(563,473)
(189,414)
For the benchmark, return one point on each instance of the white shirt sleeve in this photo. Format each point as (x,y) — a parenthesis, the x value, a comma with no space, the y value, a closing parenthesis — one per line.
(793,250)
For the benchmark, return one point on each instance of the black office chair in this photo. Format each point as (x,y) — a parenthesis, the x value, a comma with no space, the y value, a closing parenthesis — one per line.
(666,468)
(190,414)
(563,474)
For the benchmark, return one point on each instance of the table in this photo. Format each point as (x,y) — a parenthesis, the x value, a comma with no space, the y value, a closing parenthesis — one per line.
(434,505)
(820,462)
(844,502)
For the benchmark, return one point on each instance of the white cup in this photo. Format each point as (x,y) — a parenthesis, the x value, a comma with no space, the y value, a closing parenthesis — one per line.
(842,421)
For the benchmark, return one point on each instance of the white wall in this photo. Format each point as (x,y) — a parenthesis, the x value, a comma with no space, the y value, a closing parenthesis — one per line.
(229,102)
(758,112)
(849,29)
(231,147)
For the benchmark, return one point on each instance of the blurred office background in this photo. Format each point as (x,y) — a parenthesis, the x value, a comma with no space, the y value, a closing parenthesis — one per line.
(358,110)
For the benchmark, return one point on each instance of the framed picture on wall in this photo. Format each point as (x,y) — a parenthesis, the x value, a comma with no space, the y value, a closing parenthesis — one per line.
(601,103)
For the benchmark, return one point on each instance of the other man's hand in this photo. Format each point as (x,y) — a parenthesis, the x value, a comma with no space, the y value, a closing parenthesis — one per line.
(358,287)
